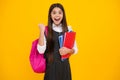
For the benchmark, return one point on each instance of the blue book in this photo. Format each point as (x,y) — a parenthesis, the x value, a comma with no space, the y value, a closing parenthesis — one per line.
(61,38)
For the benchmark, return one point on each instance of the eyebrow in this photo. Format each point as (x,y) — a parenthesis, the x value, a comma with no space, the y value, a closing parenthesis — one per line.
(58,11)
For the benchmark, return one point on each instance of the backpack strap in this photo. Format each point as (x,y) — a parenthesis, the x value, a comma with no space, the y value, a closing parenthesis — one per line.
(46,30)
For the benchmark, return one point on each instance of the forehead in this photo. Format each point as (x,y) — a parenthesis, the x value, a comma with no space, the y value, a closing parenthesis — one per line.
(56,9)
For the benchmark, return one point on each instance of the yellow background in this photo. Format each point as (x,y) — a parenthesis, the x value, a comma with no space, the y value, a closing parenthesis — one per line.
(97,23)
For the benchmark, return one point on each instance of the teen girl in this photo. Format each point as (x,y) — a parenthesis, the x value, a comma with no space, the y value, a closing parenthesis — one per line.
(49,45)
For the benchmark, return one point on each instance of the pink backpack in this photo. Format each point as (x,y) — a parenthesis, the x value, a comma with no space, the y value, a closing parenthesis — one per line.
(37,60)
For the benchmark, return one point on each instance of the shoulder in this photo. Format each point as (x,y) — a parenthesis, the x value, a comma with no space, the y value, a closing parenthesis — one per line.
(69,28)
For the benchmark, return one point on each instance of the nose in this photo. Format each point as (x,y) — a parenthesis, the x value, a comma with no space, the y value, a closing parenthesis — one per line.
(57,14)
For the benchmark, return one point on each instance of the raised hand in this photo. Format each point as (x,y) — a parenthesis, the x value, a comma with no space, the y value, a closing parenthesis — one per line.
(41,27)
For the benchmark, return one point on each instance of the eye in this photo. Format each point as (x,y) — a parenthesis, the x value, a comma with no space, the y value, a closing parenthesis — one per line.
(53,12)
(60,12)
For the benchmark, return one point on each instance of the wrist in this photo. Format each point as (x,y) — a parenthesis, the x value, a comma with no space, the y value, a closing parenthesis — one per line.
(42,31)
(71,51)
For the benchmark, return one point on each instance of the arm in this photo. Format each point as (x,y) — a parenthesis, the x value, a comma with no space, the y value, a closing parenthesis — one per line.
(41,47)
(41,38)
(75,48)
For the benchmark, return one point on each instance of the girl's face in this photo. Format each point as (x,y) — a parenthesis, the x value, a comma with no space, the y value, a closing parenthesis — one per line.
(57,15)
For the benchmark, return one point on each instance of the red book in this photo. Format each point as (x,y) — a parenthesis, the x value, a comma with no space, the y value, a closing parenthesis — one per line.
(69,40)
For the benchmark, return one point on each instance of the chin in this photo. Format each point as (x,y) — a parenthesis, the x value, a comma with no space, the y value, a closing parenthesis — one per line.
(58,23)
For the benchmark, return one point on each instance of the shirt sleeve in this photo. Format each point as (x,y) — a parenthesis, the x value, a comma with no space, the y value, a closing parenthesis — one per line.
(75,48)
(41,49)
(75,44)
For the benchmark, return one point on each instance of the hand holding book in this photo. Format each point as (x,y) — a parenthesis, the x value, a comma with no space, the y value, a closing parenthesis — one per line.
(65,51)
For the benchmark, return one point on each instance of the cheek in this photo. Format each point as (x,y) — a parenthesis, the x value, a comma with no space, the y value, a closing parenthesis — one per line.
(61,16)
(52,17)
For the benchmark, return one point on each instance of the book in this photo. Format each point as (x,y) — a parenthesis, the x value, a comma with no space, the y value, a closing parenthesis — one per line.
(67,41)
(61,38)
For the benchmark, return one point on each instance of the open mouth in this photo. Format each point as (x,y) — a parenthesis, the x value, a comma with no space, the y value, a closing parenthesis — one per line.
(56,19)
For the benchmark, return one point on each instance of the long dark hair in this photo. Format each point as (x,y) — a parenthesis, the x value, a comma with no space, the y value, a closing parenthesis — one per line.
(50,41)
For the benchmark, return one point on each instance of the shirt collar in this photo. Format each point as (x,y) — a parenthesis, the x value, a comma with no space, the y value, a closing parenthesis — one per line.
(57,28)
(60,25)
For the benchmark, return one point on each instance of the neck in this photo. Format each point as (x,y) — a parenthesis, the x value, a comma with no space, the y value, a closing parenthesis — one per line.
(57,24)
